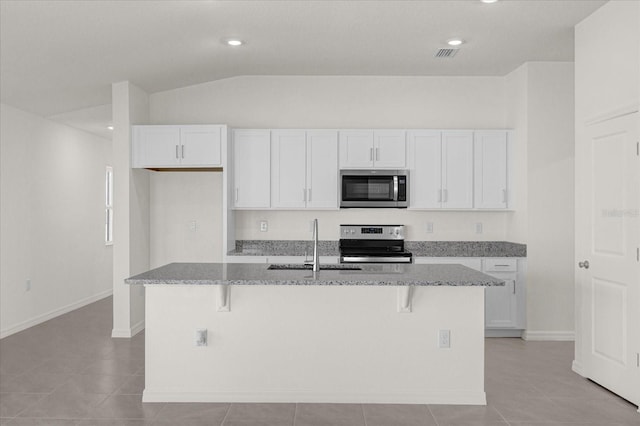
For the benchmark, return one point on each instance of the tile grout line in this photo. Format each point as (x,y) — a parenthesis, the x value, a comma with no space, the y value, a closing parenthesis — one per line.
(224,419)
(295,413)
(364,416)
(433,415)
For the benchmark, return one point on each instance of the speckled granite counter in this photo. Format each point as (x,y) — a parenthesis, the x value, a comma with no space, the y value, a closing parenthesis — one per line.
(370,275)
(418,248)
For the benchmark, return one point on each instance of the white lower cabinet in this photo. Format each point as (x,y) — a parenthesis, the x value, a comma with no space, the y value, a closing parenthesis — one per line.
(505,306)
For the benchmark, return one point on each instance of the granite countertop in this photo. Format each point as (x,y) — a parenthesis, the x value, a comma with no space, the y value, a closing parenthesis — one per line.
(370,275)
(418,248)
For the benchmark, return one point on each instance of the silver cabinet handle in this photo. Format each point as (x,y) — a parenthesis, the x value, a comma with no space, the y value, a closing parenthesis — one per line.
(514,286)
(309,197)
(177,151)
(584,264)
(504,195)
(304,195)
(377,154)
(370,154)
(439,195)
(446,195)
(236,194)
(182,151)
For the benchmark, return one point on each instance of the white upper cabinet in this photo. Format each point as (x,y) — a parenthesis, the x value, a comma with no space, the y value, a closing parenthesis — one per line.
(322,169)
(288,168)
(425,163)
(366,149)
(304,169)
(390,149)
(457,169)
(179,146)
(491,171)
(441,169)
(251,169)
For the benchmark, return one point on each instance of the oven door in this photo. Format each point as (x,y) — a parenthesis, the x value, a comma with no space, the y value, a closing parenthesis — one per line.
(372,189)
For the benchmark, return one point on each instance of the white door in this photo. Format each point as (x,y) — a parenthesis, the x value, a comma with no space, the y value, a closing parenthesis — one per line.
(608,238)
(356,149)
(457,170)
(201,145)
(390,149)
(251,171)
(288,169)
(425,173)
(322,169)
(490,161)
(158,146)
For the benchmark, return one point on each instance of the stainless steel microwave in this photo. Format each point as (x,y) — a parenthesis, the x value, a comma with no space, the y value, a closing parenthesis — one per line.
(374,188)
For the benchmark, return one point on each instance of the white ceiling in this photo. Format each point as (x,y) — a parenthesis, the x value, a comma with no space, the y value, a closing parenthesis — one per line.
(61,56)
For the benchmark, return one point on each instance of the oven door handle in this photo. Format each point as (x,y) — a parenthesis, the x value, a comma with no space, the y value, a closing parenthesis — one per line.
(395,188)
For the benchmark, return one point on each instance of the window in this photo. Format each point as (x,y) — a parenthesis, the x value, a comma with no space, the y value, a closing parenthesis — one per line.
(108,201)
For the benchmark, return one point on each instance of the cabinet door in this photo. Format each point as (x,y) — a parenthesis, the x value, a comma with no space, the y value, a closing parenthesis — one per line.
(490,155)
(390,149)
(251,171)
(288,169)
(322,169)
(501,303)
(201,145)
(356,149)
(425,174)
(156,146)
(457,170)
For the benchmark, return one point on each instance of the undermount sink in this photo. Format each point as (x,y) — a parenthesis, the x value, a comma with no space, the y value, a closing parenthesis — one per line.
(301,267)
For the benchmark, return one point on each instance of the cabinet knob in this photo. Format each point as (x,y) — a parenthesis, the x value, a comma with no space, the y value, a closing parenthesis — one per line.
(584,264)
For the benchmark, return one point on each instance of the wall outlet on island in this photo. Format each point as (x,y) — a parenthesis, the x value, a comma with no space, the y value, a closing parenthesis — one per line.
(478,227)
(429,227)
(264,226)
(444,339)
(201,337)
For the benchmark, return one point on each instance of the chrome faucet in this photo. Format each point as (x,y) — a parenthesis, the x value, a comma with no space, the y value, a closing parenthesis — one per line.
(316,256)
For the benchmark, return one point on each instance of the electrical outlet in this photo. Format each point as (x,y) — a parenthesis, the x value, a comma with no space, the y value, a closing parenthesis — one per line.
(201,337)
(264,226)
(479,228)
(27,285)
(444,339)
(429,227)
(193,226)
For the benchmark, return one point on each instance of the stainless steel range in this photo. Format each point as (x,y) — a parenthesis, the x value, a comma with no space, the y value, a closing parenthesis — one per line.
(373,244)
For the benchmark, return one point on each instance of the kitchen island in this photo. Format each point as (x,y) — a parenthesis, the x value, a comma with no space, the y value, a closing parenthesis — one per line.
(374,335)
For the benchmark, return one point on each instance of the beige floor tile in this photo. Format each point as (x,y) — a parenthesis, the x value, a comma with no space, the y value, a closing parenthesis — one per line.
(12,404)
(34,382)
(93,383)
(329,414)
(398,415)
(62,405)
(450,415)
(125,407)
(260,415)
(134,385)
(192,414)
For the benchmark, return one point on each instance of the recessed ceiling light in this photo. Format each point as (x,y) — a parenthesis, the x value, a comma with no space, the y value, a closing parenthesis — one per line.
(455,42)
(234,42)
(110,127)
(489,1)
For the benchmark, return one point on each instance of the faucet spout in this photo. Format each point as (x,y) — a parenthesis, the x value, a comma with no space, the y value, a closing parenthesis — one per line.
(316,255)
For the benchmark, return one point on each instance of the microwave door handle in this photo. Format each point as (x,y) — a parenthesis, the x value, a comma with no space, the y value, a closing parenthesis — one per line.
(395,188)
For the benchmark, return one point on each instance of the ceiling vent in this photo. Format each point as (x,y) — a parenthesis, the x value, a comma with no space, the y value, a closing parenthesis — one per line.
(446,52)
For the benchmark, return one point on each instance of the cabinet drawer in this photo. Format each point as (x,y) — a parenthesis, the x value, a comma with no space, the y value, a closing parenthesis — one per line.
(500,264)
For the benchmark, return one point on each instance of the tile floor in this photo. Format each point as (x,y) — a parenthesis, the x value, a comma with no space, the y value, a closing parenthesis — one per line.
(68,371)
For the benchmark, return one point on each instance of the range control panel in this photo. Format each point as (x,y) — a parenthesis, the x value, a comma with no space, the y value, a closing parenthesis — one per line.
(372,232)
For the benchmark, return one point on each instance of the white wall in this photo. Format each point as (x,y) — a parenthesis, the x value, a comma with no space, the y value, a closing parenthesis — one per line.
(541,108)
(52,180)
(185,217)
(131,211)
(343,102)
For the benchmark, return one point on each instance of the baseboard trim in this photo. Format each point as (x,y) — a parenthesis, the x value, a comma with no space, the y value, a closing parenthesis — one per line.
(426,397)
(555,336)
(127,333)
(54,313)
